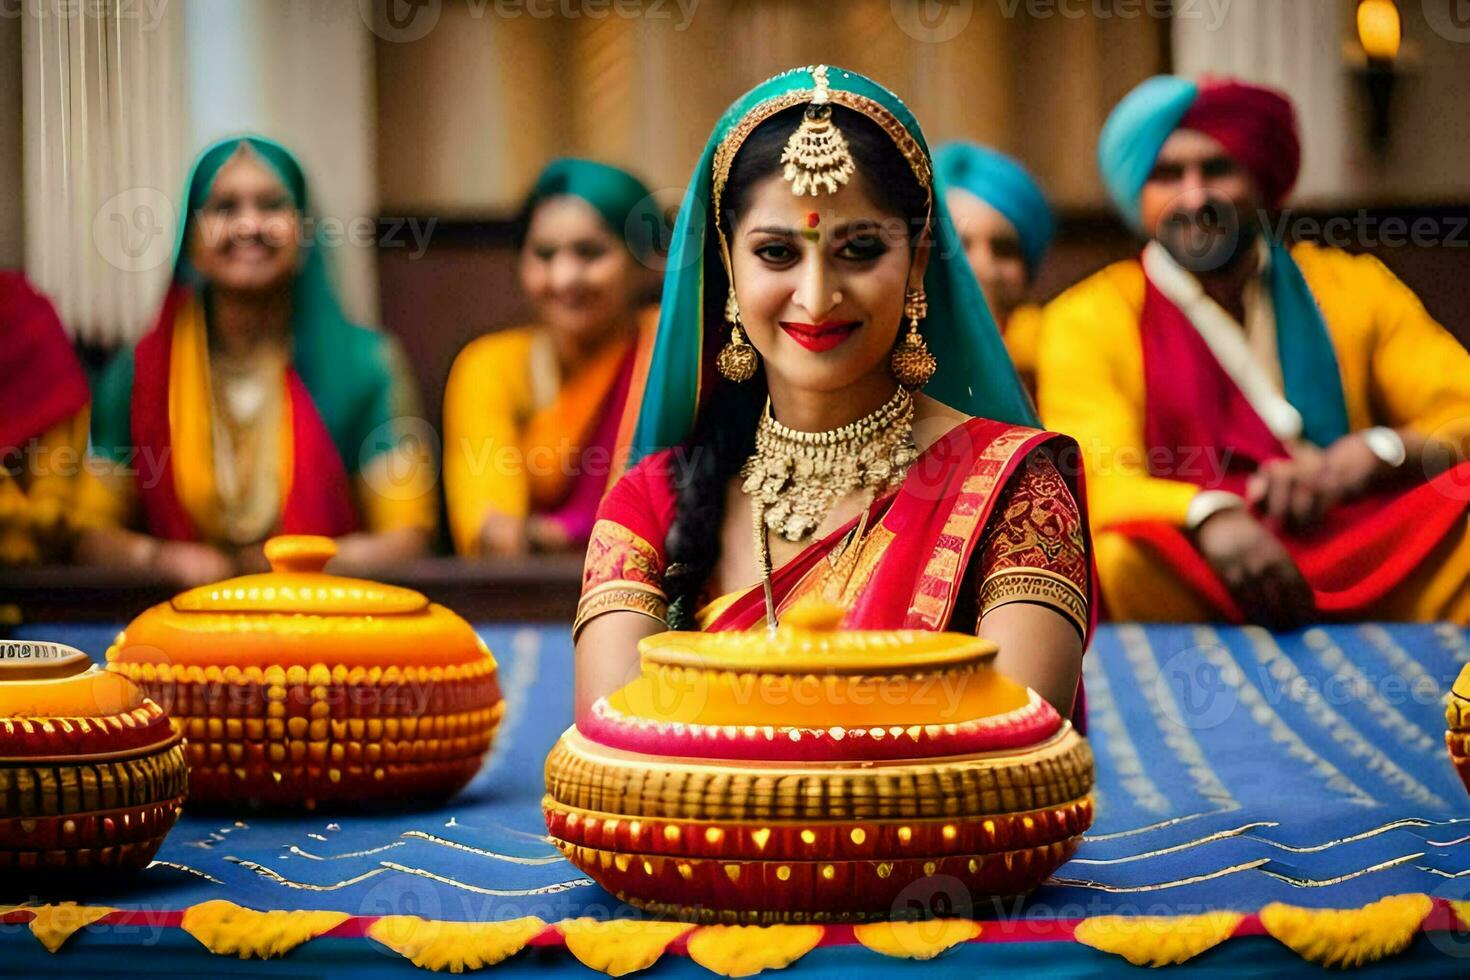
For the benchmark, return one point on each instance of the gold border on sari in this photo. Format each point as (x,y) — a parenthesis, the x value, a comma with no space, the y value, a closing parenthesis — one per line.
(934,598)
(1038,585)
(620,596)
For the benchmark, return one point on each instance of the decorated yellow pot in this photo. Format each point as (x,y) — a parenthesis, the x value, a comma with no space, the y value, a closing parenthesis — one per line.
(297,687)
(91,775)
(817,776)
(1457,720)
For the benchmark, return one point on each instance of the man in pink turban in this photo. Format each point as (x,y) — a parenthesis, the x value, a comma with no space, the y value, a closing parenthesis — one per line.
(1273,433)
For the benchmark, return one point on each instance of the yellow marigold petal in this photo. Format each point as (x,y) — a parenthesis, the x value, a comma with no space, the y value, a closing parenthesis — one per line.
(1462,911)
(454,946)
(619,946)
(915,940)
(743,951)
(1348,937)
(1157,940)
(54,924)
(227,929)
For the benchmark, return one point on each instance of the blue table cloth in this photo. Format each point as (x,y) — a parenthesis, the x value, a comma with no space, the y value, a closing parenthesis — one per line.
(1235,767)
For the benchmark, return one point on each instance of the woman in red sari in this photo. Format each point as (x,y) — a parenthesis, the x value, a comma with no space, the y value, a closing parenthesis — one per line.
(803,461)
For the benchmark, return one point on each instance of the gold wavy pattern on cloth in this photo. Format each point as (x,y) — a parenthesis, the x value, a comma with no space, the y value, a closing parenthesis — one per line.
(1160,885)
(1327,845)
(1339,879)
(552,889)
(429,838)
(1251,698)
(1241,831)
(1363,691)
(155,863)
(295,851)
(481,852)
(1269,655)
(280,879)
(1256,865)
(1103,718)
(1444,874)
(1146,828)
(1141,658)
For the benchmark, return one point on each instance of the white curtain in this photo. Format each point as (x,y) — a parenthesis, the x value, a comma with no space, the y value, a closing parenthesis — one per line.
(101,110)
(119,95)
(1296,47)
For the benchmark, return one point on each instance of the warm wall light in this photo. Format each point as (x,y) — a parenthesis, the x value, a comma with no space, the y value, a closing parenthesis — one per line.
(1380,29)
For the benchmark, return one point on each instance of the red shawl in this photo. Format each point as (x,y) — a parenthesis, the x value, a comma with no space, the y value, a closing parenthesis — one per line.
(43,382)
(1353,558)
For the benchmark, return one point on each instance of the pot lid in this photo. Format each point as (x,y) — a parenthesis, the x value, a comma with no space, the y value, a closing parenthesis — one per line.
(809,641)
(297,583)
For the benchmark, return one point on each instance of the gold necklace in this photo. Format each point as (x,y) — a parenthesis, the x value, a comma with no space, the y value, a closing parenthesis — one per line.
(794,478)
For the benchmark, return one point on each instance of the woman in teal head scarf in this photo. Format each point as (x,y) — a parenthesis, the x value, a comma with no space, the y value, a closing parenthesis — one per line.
(533,416)
(254,406)
(830,413)
(1005,225)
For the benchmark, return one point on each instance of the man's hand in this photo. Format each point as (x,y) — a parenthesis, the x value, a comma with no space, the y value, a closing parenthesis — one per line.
(1289,493)
(1352,469)
(1256,568)
(1295,493)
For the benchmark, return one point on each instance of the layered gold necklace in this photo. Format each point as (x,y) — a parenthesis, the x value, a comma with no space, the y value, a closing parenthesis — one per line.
(794,478)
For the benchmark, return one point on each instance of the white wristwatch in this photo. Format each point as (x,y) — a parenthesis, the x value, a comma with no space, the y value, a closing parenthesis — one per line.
(1208,503)
(1386,444)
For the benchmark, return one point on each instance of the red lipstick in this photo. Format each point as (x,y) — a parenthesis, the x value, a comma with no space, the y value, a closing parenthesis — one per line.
(820,336)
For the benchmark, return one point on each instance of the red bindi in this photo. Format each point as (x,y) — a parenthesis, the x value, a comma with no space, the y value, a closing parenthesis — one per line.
(813,219)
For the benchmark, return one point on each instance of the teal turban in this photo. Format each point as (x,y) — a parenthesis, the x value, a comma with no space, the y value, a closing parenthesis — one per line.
(1005,185)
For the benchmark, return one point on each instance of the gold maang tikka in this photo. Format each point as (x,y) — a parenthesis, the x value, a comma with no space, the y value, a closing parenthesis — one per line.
(817,157)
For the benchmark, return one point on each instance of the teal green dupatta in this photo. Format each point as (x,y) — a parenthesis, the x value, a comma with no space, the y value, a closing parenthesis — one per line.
(975,375)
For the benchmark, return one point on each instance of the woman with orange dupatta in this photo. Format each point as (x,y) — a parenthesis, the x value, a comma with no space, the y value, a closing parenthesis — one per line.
(860,437)
(533,416)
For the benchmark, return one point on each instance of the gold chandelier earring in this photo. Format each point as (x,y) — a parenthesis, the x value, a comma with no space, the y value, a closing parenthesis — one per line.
(737,359)
(913,364)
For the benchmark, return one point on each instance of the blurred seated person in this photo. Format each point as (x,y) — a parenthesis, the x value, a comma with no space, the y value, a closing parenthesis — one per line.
(1272,435)
(1005,225)
(43,424)
(534,420)
(253,407)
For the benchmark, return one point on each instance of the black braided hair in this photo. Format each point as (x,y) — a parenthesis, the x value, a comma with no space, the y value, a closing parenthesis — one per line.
(724,433)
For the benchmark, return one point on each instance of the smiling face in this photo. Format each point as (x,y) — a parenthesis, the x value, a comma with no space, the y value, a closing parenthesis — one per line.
(820,283)
(247,234)
(580,276)
(1200,202)
(993,249)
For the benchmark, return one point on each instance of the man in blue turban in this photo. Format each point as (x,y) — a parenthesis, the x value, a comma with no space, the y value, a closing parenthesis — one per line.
(1270,431)
(1005,225)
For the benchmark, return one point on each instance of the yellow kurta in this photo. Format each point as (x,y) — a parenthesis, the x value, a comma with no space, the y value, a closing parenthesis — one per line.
(1022,336)
(1399,368)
